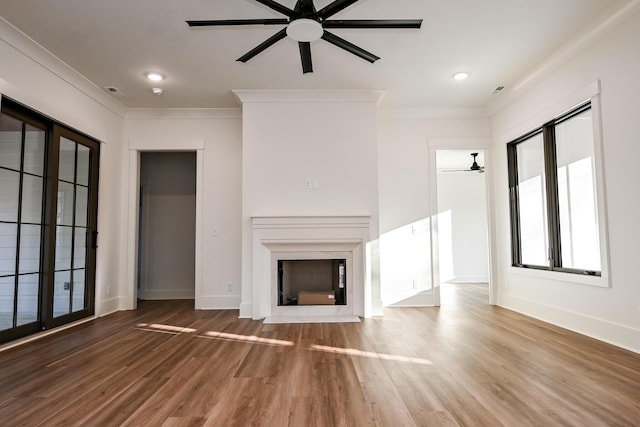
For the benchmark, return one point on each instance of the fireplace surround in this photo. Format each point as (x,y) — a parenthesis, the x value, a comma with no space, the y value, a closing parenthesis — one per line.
(277,238)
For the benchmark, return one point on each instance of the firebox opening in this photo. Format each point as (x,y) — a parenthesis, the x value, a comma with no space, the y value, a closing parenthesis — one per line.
(312,282)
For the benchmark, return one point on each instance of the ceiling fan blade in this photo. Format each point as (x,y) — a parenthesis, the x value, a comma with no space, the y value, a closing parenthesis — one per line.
(305,56)
(335,7)
(373,23)
(264,45)
(223,22)
(349,47)
(304,6)
(277,7)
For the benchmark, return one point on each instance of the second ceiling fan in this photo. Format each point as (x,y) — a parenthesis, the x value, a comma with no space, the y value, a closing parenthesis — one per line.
(306,24)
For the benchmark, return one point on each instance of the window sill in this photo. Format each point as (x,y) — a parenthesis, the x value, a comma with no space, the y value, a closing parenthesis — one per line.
(580,279)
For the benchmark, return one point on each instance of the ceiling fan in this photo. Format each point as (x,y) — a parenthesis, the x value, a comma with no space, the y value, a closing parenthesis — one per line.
(475,167)
(306,24)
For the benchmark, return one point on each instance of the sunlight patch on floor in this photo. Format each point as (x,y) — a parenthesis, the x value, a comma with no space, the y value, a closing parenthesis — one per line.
(370,354)
(252,339)
(168,329)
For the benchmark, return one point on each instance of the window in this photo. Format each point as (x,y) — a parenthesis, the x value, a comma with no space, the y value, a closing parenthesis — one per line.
(553,199)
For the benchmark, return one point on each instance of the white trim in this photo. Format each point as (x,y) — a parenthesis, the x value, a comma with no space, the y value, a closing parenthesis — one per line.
(565,52)
(290,96)
(320,235)
(31,49)
(184,113)
(613,333)
(246,309)
(167,145)
(484,144)
(563,105)
(425,298)
(432,113)
(560,276)
(601,193)
(218,302)
(130,299)
(107,306)
(590,92)
(432,197)
(136,147)
(167,294)
(198,275)
(469,279)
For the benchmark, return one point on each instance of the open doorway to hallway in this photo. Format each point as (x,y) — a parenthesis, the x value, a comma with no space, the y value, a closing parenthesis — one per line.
(167,226)
(462,238)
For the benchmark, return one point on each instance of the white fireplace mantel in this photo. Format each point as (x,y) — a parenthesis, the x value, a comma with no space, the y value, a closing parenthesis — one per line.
(309,237)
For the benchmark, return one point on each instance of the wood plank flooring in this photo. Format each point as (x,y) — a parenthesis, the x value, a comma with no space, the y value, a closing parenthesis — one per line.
(465,364)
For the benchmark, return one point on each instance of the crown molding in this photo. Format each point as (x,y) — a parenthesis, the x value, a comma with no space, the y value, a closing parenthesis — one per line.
(432,113)
(567,51)
(319,96)
(35,52)
(183,113)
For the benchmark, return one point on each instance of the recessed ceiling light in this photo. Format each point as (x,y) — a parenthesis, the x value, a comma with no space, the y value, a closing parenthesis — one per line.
(461,75)
(157,91)
(156,77)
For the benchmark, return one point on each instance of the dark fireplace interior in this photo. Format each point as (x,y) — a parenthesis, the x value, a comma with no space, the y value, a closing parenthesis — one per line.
(312,282)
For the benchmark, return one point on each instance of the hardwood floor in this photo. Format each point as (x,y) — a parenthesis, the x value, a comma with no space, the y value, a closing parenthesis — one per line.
(466,363)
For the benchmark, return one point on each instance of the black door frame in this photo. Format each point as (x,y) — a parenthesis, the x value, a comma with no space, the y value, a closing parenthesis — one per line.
(54,132)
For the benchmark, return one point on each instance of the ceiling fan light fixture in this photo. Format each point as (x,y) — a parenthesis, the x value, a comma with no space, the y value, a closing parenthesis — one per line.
(305,30)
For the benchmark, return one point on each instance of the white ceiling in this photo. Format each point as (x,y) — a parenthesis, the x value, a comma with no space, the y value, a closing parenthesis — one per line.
(499,42)
(448,160)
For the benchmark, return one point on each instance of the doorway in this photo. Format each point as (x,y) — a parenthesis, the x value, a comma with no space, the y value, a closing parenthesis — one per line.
(167,226)
(463,226)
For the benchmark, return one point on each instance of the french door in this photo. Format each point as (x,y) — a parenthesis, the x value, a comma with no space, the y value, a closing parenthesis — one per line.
(48,211)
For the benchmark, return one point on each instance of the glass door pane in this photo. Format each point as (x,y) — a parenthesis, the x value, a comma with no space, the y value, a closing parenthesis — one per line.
(28,295)
(71,227)
(7,298)
(22,166)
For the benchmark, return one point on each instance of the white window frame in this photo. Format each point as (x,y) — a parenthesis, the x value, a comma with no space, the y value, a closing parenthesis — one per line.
(587,93)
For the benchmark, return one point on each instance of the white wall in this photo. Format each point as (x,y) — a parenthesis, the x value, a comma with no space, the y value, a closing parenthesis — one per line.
(611,314)
(34,77)
(290,137)
(219,133)
(405,188)
(463,196)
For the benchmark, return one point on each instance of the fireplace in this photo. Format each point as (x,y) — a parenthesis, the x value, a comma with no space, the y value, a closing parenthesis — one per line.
(312,282)
(315,243)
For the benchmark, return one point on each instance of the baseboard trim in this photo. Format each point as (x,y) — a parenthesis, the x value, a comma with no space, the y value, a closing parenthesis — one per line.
(469,279)
(108,306)
(167,294)
(622,336)
(420,299)
(218,302)
(246,310)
